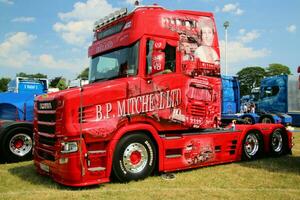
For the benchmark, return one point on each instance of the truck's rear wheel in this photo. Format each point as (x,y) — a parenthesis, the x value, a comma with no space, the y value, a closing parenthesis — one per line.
(17,144)
(252,146)
(278,142)
(266,120)
(248,120)
(134,157)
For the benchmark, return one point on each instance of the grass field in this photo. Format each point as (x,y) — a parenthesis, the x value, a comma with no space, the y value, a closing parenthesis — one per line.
(267,178)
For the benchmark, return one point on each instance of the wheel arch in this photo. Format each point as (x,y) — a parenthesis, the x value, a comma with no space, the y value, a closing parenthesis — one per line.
(9,125)
(148,130)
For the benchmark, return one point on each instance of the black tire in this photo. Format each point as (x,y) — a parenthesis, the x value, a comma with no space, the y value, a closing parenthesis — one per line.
(17,144)
(252,146)
(248,120)
(266,120)
(134,157)
(278,142)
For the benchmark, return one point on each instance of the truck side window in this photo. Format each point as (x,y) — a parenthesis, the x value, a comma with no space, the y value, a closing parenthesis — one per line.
(270,91)
(170,57)
(170,52)
(149,50)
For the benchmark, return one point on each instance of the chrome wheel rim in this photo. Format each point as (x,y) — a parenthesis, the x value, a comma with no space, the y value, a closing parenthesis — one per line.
(266,121)
(20,144)
(277,142)
(135,158)
(251,145)
(248,120)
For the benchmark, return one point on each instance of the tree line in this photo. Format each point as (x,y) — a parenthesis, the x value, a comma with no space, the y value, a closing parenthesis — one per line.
(249,77)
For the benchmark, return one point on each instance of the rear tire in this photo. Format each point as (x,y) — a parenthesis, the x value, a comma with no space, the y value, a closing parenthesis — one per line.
(278,143)
(134,157)
(17,144)
(252,146)
(266,120)
(248,120)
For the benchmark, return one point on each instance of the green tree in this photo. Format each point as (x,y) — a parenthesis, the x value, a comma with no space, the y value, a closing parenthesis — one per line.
(277,69)
(58,82)
(3,84)
(250,78)
(84,74)
(37,75)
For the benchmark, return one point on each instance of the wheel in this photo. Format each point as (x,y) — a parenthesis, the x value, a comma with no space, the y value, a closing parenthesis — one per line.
(278,143)
(248,120)
(17,144)
(134,157)
(266,120)
(252,146)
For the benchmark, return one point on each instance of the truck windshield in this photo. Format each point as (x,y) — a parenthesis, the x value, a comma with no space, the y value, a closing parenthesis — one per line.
(116,64)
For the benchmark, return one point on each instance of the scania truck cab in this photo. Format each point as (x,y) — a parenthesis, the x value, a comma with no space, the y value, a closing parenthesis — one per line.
(152,103)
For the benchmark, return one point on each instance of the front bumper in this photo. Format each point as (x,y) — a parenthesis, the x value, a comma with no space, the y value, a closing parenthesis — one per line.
(73,173)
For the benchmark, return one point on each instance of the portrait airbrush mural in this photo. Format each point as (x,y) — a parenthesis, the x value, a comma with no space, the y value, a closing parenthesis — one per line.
(197,40)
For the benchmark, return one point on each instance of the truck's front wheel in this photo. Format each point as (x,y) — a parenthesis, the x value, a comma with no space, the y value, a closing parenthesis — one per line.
(134,157)
(17,144)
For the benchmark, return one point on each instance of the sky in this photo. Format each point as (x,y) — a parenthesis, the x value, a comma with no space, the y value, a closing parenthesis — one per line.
(52,36)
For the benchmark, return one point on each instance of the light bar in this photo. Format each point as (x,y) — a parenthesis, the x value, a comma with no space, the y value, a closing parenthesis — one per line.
(111,17)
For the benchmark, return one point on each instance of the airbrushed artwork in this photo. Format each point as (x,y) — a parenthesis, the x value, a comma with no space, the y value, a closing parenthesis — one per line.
(198,151)
(196,38)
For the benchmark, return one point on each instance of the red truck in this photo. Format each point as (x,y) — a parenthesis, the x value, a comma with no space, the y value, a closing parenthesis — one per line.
(153,104)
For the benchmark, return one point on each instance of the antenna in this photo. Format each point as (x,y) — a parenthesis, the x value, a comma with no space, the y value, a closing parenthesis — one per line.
(136,3)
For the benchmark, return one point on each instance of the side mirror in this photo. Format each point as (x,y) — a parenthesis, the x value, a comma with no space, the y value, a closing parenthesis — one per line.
(159,45)
(298,69)
(158,62)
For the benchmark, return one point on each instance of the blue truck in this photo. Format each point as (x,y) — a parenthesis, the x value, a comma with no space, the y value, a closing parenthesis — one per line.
(232,105)
(16,116)
(280,95)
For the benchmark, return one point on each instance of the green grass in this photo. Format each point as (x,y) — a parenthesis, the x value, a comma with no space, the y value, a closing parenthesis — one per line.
(267,178)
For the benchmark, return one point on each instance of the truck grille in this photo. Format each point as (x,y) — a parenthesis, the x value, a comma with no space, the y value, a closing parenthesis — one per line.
(46,155)
(46,117)
(46,140)
(43,128)
(46,128)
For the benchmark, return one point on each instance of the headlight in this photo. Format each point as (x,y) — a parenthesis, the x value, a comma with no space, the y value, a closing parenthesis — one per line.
(69,147)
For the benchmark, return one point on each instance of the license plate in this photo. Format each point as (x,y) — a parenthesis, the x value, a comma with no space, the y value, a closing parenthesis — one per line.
(44,167)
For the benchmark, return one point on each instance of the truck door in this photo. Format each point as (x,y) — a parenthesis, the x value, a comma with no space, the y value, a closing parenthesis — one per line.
(163,82)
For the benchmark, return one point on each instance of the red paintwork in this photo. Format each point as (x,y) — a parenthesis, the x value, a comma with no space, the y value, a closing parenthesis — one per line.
(174,109)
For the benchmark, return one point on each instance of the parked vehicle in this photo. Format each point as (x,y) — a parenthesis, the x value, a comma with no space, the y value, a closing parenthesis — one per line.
(245,108)
(16,116)
(153,103)
(280,95)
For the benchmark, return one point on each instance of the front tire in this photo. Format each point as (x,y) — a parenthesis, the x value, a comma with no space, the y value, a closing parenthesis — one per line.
(134,157)
(17,144)
(252,146)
